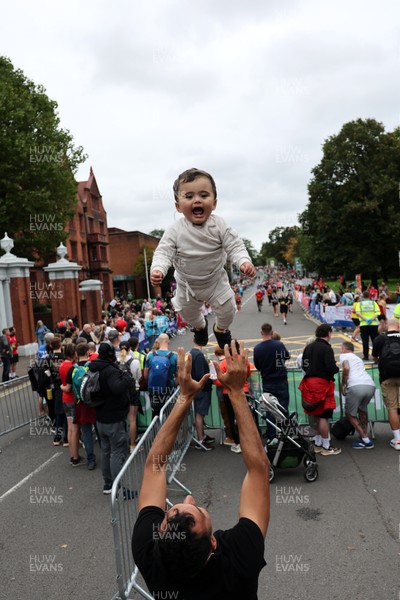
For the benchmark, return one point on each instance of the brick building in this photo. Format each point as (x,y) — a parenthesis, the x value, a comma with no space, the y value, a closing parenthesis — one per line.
(125,248)
(88,242)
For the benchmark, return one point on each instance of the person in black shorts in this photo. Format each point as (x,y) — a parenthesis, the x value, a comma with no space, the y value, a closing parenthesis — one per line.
(284,307)
(177,551)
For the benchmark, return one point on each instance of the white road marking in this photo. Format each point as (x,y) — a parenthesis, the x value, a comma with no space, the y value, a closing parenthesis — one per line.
(18,485)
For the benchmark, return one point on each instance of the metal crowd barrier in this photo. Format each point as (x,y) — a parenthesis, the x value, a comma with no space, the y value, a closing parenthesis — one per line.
(125,510)
(125,492)
(18,404)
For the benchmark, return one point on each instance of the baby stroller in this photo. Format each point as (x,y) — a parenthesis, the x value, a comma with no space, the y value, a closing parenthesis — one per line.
(290,446)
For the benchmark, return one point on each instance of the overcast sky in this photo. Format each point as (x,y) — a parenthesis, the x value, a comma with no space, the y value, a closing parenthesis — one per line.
(245,90)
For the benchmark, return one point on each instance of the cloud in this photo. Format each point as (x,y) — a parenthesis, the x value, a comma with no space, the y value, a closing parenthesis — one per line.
(248,91)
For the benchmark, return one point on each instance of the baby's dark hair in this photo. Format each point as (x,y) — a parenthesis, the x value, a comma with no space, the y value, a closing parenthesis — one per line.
(190,175)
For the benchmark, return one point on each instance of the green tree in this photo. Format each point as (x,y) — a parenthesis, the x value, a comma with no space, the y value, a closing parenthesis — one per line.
(38,160)
(254,255)
(139,269)
(281,245)
(158,233)
(352,219)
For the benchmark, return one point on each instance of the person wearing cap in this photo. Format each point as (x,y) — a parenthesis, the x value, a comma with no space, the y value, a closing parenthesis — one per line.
(117,389)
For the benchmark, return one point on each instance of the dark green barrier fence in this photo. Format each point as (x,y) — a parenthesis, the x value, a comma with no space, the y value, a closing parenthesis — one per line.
(376,409)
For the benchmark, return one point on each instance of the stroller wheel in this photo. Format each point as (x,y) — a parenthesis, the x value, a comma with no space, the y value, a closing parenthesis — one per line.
(306,461)
(271,473)
(311,473)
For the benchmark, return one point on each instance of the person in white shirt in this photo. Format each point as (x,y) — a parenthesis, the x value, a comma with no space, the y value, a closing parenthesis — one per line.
(359,388)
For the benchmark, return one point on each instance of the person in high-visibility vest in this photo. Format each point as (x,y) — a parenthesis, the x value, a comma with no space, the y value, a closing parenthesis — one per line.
(367,311)
(396,312)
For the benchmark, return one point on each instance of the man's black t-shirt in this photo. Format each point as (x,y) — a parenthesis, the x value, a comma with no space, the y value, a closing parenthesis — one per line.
(230,574)
(377,348)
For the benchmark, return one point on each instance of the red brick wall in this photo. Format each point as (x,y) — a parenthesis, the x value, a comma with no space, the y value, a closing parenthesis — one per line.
(22,309)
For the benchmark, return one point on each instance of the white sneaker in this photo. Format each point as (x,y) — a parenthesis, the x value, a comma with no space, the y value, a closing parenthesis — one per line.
(395,444)
(236,448)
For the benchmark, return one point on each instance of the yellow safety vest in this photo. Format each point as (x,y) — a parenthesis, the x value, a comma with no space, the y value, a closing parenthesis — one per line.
(369,309)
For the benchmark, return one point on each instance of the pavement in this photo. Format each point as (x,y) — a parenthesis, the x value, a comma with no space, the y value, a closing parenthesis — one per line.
(337,537)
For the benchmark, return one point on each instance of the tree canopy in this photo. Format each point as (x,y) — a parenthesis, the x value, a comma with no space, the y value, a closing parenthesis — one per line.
(158,233)
(38,160)
(352,221)
(282,245)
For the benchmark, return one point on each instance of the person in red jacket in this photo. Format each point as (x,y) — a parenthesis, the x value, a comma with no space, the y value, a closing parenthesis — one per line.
(318,386)
(12,338)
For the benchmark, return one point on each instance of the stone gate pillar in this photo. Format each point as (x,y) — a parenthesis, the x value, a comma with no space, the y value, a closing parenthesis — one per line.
(63,288)
(90,295)
(15,299)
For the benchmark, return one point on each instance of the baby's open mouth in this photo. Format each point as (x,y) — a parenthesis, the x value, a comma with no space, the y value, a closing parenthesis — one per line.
(198,210)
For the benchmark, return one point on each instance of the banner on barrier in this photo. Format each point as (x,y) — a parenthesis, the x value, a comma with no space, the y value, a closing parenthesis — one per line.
(337,316)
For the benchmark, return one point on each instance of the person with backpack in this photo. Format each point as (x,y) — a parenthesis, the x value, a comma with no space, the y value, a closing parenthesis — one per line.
(61,425)
(84,416)
(130,363)
(160,374)
(116,388)
(386,352)
(358,388)
(68,400)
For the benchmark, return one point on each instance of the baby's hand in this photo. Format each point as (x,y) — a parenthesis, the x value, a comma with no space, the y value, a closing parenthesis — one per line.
(248,269)
(156,277)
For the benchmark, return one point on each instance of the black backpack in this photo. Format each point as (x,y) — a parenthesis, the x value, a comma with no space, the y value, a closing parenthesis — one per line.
(342,428)
(390,355)
(40,376)
(90,389)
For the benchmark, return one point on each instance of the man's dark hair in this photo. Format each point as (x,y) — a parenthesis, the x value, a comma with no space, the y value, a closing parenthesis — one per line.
(82,349)
(69,351)
(366,295)
(323,330)
(55,344)
(133,342)
(182,552)
(190,175)
(266,328)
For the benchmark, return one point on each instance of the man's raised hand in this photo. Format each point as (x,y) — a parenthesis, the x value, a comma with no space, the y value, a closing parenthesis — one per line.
(188,386)
(236,367)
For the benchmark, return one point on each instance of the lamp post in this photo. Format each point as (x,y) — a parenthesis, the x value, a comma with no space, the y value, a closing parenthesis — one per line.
(147,274)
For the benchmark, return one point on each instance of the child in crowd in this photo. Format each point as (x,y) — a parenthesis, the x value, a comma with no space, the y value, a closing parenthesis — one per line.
(198,246)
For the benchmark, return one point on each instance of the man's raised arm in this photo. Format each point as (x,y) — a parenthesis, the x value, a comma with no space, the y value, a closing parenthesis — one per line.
(154,486)
(254,499)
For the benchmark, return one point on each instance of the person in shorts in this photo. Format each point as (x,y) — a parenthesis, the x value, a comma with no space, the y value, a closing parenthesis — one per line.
(358,388)
(318,387)
(12,338)
(389,378)
(202,400)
